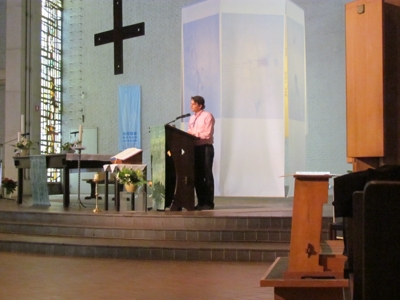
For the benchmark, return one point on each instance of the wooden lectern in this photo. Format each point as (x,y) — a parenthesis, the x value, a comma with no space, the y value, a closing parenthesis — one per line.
(132,156)
(179,169)
(311,193)
(311,271)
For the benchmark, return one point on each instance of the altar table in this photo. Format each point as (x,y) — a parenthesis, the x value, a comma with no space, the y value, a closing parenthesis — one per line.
(66,162)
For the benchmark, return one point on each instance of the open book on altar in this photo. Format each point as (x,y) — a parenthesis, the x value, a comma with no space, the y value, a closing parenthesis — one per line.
(128,156)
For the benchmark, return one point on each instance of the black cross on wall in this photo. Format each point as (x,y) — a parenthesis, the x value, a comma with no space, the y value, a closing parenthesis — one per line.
(118,35)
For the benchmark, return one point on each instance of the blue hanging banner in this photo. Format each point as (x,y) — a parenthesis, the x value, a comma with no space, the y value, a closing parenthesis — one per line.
(129,119)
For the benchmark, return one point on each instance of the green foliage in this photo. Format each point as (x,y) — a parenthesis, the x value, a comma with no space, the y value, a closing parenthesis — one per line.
(23,144)
(157,191)
(67,146)
(128,176)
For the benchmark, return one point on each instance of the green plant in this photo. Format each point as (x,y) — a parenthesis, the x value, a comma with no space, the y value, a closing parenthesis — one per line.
(67,146)
(23,144)
(129,176)
(9,184)
(156,191)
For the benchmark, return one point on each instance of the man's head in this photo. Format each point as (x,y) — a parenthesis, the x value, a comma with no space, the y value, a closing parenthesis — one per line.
(197,103)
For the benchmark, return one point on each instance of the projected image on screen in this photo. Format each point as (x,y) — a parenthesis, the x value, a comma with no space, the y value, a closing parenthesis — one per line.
(201,62)
(252,66)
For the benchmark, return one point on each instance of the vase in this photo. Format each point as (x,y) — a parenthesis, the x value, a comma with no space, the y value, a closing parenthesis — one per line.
(24,152)
(130,187)
(68,151)
(8,195)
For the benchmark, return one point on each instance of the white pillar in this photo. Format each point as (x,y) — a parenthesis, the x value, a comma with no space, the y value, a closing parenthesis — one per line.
(22,76)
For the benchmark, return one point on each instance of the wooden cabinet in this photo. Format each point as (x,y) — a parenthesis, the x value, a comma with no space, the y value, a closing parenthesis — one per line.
(373,81)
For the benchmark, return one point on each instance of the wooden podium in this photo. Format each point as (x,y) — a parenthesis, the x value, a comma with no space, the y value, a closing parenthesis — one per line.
(314,269)
(179,169)
(310,194)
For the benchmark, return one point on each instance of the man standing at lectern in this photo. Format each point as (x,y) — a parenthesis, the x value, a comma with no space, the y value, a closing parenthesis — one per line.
(201,124)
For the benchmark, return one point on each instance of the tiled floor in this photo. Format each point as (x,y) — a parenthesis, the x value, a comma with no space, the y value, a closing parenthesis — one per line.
(33,277)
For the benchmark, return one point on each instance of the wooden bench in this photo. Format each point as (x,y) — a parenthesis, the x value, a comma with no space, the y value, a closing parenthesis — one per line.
(374,235)
(310,288)
(130,196)
(313,270)
(93,188)
(100,181)
(334,228)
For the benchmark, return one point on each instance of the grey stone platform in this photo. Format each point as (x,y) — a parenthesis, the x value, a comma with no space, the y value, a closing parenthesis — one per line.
(237,230)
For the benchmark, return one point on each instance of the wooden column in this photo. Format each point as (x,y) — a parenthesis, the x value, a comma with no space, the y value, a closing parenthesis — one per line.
(373,82)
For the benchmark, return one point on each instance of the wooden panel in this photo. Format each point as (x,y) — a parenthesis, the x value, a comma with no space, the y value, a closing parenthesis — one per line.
(364,71)
(309,294)
(381,246)
(310,193)
(274,277)
(392,83)
(394,2)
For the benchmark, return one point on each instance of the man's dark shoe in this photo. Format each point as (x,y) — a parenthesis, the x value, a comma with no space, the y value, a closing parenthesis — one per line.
(205,207)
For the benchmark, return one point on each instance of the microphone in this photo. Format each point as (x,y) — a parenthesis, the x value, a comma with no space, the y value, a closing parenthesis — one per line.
(183,116)
(74,132)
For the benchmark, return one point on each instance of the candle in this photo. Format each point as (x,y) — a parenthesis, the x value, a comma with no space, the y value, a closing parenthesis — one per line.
(96,177)
(22,124)
(19,136)
(80,133)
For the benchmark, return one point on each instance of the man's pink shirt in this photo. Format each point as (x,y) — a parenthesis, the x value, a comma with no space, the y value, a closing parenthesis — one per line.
(201,124)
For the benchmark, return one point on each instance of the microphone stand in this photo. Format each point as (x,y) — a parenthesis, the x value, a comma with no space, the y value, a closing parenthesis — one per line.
(181,117)
(173,125)
(79,148)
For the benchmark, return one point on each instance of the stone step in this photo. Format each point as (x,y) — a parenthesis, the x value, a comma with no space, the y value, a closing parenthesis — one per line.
(191,234)
(148,235)
(142,249)
(155,220)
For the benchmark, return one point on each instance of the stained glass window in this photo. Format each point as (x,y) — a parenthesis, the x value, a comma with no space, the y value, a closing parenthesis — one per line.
(50,104)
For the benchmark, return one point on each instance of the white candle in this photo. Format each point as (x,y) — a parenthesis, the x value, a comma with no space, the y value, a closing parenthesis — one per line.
(80,133)
(19,136)
(22,124)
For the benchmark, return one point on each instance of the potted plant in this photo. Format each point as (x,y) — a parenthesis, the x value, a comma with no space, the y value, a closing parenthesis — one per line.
(67,147)
(131,178)
(9,185)
(23,146)
(157,192)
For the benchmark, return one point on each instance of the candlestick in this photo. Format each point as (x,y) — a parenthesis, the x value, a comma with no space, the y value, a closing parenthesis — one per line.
(80,133)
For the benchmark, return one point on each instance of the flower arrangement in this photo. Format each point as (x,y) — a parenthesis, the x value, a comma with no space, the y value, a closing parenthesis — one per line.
(23,144)
(131,176)
(67,146)
(9,184)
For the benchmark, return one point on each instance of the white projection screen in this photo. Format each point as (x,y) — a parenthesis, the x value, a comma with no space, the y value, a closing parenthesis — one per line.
(234,56)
